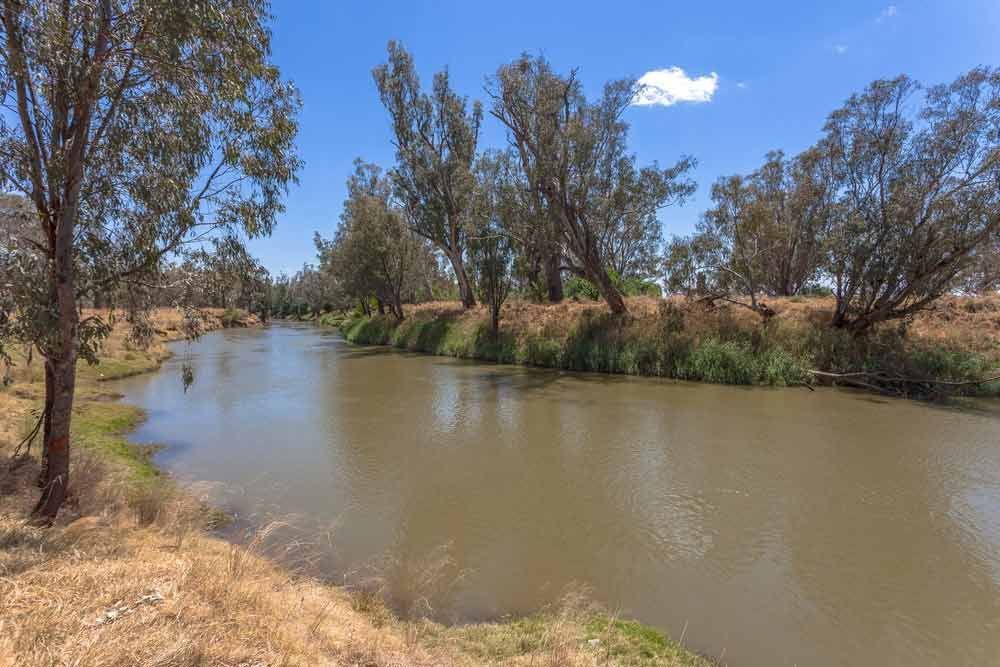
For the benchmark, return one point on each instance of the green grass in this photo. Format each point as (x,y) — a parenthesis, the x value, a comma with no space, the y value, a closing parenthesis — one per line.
(595,345)
(116,369)
(103,427)
(720,352)
(612,641)
(636,645)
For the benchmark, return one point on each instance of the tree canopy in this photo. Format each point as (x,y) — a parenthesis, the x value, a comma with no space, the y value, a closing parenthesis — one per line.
(135,127)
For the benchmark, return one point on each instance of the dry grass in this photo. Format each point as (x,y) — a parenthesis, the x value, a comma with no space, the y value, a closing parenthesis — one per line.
(105,590)
(120,355)
(131,575)
(967,322)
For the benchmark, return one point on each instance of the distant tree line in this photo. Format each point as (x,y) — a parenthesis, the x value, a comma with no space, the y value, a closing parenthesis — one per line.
(897,204)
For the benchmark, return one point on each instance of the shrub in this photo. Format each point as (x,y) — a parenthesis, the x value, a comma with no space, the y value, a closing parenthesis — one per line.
(233,317)
(580,289)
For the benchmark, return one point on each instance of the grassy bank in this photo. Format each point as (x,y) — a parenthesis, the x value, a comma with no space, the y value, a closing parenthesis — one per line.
(958,341)
(132,574)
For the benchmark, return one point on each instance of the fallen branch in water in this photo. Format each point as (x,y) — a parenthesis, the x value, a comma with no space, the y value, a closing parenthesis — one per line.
(866,379)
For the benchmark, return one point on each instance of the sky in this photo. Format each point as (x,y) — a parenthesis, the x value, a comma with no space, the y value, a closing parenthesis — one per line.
(727,81)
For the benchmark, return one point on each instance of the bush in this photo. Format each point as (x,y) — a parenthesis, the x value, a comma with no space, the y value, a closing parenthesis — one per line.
(580,289)
(640,287)
(233,317)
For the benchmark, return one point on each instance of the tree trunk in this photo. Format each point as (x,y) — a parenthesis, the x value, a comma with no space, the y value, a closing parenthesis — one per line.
(381,306)
(397,307)
(50,392)
(553,277)
(598,275)
(464,284)
(62,361)
(57,447)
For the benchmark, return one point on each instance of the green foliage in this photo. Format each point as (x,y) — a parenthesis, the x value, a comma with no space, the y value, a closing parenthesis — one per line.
(545,352)
(580,288)
(888,351)
(233,317)
(597,344)
(640,287)
(721,351)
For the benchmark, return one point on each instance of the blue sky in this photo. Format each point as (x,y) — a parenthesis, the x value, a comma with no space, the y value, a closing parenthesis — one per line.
(779,69)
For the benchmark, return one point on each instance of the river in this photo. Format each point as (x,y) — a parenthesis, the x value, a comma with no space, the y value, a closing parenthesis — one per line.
(769,527)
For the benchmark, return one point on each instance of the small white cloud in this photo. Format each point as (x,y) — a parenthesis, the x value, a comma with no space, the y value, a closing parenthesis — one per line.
(666,87)
(840,49)
(887,13)
(742,85)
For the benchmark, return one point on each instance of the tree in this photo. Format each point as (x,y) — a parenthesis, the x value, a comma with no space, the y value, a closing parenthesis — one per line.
(135,128)
(435,141)
(684,266)
(792,198)
(223,274)
(763,235)
(631,235)
(917,195)
(374,250)
(574,155)
(491,246)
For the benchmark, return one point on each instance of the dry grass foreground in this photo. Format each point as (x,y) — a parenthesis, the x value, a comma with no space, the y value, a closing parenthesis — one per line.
(131,575)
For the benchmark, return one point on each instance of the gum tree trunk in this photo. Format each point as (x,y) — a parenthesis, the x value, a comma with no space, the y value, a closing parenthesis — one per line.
(50,392)
(553,278)
(464,284)
(595,272)
(62,361)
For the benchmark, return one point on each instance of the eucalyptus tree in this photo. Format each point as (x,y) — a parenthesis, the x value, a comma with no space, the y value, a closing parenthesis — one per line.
(575,157)
(435,137)
(764,234)
(631,235)
(491,244)
(374,249)
(134,127)
(538,254)
(792,198)
(223,274)
(917,194)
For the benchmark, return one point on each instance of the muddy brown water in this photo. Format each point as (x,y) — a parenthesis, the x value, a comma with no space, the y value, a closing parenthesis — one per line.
(769,527)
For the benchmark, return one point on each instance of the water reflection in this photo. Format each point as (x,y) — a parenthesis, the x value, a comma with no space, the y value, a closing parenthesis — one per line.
(779,527)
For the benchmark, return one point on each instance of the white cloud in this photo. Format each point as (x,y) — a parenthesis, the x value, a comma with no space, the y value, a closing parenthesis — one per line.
(840,49)
(887,13)
(742,85)
(666,87)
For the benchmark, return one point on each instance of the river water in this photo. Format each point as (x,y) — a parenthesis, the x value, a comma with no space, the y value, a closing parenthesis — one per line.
(769,527)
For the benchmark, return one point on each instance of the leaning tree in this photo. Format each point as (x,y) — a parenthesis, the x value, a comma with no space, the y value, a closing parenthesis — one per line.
(135,127)
(574,154)
(917,194)
(435,136)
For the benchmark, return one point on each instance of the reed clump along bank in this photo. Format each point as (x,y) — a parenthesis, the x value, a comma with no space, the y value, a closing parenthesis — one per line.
(958,341)
(133,573)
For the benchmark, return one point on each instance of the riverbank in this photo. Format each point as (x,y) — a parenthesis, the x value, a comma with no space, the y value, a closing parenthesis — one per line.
(132,573)
(957,341)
